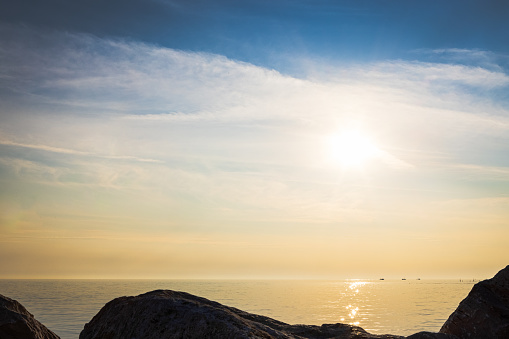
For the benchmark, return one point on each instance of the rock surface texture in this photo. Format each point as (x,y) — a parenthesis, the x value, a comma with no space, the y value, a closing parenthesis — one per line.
(17,323)
(431,335)
(166,314)
(484,313)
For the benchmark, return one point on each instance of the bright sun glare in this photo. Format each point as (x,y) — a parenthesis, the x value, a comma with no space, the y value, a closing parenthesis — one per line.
(351,148)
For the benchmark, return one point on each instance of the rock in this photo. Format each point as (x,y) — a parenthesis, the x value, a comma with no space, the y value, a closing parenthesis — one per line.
(484,313)
(165,314)
(431,335)
(17,323)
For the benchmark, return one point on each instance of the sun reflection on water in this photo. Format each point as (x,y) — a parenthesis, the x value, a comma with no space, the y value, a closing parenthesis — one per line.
(352,291)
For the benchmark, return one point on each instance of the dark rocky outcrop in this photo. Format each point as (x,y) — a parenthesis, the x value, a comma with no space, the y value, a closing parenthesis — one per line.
(165,314)
(431,335)
(484,313)
(17,323)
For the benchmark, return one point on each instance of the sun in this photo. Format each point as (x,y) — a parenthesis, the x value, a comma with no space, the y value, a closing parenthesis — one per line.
(352,148)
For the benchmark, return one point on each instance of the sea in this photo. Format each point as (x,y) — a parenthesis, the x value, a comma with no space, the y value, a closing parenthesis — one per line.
(400,307)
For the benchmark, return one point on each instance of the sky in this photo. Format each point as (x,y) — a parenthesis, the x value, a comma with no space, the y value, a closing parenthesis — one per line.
(254,139)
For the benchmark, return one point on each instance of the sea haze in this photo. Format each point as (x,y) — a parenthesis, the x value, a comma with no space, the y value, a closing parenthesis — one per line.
(379,306)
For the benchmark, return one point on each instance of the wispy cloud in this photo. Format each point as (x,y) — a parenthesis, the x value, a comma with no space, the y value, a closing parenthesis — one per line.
(473,57)
(436,74)
(481,173)
(236,138)
(75,152)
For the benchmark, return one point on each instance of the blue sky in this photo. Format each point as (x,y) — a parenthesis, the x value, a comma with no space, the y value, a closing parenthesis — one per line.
(267,33)
(163,139)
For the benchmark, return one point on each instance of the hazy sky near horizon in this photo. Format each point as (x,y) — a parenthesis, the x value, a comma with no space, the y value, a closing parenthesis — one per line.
(254,139)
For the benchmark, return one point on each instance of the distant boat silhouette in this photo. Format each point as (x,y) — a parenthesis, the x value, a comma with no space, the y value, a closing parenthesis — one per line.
(382,279)
(403,279)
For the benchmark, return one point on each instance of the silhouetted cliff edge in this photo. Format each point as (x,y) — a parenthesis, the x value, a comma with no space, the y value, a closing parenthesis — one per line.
(164,314)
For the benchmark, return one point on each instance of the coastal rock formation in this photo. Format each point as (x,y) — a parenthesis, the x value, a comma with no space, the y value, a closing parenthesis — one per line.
(165,314)
(431,335)
(484,313)
(17,323)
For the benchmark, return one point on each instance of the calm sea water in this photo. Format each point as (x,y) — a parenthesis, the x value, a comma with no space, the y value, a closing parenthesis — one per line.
(395,307)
